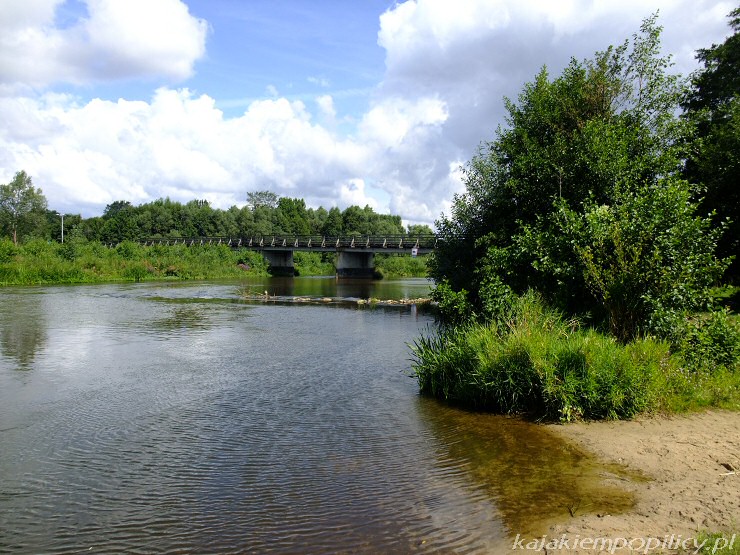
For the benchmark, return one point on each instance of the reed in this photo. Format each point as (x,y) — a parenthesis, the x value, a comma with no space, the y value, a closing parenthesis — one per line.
(539,364)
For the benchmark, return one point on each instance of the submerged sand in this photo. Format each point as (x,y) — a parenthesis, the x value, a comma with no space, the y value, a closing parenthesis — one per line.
(692,466)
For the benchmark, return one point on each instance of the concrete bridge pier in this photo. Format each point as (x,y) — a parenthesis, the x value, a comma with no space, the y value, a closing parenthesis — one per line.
(280,262)
(352,264)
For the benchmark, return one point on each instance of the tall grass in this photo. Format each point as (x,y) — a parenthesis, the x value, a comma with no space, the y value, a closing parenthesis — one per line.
(537,363)
(80,261)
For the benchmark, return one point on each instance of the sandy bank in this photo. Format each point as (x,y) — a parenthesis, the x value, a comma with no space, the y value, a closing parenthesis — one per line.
(693,466)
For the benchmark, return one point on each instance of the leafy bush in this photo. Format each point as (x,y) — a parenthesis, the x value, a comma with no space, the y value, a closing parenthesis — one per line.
(453,306)
(643,257)
(312,264)
(400,266)
(136,271)
(39,247)
(708,340)
(7,250)
(128,250)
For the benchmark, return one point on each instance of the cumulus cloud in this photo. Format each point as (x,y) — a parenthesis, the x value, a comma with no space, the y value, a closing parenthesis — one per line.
(113,40)
(470,54)
(448,67)
(177,144)
(353,193)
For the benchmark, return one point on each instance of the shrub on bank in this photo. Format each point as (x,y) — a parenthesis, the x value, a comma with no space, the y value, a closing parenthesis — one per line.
(537,363)
(313,263)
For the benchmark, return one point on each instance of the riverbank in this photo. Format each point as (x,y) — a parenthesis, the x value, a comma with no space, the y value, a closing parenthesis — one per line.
(40,262)
(693,465)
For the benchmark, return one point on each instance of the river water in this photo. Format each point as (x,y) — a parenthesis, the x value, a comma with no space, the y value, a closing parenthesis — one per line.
(180,418)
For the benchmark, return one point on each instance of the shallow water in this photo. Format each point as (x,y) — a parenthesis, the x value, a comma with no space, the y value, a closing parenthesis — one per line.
(178,418)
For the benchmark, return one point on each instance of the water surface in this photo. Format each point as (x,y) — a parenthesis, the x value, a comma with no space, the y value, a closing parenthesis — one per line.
(176,418)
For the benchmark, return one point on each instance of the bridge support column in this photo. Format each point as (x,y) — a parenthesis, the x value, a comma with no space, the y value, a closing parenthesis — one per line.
(355,264)
(280,262)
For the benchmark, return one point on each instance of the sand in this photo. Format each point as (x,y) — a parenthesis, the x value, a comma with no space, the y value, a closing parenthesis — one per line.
(692,466)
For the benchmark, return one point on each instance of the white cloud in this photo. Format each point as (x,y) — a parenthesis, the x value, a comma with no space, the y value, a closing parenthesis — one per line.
(86,156)
(448,66)
(115,40)
(353,193)
(326,105)
(320,81)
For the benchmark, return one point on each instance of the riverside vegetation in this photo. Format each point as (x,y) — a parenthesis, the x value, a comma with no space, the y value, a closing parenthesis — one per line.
(590,290)
(39,261)
(32,251)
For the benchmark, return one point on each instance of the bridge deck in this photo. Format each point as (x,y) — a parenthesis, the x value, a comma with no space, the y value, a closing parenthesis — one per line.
(405,244)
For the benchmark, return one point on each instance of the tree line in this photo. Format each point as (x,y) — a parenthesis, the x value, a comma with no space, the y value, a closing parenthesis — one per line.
(24,215)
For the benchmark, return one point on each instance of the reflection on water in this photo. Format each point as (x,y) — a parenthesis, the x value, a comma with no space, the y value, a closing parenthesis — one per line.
(179,418)
(22,326)
(329,286)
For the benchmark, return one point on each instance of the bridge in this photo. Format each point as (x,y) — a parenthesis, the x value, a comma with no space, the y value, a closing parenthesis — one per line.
(355,254)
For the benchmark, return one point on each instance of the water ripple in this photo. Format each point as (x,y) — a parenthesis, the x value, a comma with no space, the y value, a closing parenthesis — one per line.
(189,427)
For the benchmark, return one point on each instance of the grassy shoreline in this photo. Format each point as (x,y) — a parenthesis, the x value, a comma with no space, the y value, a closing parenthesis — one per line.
(537,364)
(39,262)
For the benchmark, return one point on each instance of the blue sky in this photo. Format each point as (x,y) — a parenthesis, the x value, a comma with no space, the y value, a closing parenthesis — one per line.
(262,49)
(338,102)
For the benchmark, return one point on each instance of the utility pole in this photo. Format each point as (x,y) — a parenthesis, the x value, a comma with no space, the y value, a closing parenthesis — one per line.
(62,216)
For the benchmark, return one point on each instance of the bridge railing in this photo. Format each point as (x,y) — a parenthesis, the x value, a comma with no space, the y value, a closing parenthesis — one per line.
(424,242)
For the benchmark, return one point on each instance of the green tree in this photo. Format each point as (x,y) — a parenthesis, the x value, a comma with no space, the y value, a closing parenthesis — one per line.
(120,222)
(419,229)
(645,258)
(22,207)
(354,220)
(603,131)
(713,105)
(255,199)
(114,208)
(292,216)
(334,224)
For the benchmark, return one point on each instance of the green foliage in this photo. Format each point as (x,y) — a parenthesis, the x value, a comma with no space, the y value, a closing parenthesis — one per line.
(417,230)
(707,341)
(453,306)
(314,264)
(22,207)
(255,199)
(604,129)
(136,271)
(165,218)
(8,250)
(578,199)
(39,248)
(334,224)
(82,261)
(400,266)
(128,250)
(645,256)
(713,106)
(541,365)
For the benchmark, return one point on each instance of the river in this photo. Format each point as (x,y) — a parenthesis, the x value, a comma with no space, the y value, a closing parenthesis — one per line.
(181,418)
